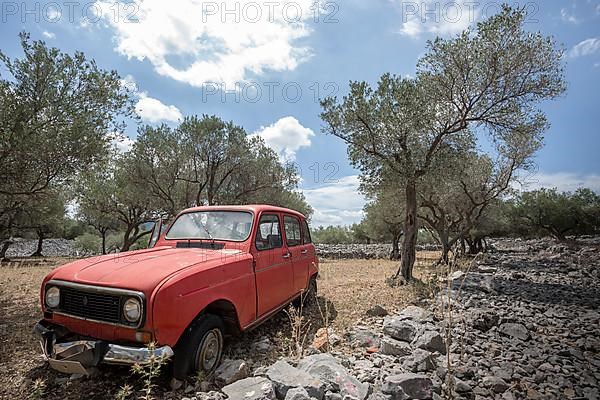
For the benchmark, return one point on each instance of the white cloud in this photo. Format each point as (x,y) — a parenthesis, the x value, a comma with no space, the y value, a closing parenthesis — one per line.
(48,35)
(338,203)
(148,108)
(585,47)
(122,143)
(563,181)
(199,42)
(566,16)
(153,110)
(437,18)
(286,137)
(129,83)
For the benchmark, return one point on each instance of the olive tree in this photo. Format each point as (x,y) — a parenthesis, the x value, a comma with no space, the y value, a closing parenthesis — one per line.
(96,202)
(559,213)
(206,160)
(43,215)
(55,112)
(384,220)
(488,80)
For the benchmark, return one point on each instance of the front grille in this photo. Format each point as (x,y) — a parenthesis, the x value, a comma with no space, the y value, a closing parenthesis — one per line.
(98,306)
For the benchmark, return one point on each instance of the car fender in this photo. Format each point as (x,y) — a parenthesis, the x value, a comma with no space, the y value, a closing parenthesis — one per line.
(181,298)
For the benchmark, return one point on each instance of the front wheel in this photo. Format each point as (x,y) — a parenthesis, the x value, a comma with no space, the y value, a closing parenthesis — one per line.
(201,349)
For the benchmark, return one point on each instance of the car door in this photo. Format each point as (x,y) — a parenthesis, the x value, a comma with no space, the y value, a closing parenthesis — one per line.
(293,241)
(274,273)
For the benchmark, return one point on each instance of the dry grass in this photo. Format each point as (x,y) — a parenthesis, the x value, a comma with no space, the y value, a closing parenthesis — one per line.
(350,288)
(354,286)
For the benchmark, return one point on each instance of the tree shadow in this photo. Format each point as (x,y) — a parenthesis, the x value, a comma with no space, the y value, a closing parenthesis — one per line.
(550,293)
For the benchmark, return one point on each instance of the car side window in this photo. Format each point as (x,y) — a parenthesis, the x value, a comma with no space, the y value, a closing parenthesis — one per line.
(306,234)
(292,231)
(268,235)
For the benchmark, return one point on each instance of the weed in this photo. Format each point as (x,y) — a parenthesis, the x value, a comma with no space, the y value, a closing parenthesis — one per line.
(300,328)
(149,371)
(124,392)
(39,389)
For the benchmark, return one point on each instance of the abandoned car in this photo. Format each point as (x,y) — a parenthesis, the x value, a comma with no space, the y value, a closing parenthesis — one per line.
(214,272)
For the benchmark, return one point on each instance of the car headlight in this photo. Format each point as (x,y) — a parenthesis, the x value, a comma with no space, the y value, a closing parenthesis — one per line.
(52,297)
(132,309)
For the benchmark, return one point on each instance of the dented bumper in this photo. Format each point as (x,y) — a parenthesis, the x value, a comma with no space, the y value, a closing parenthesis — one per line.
(80,356)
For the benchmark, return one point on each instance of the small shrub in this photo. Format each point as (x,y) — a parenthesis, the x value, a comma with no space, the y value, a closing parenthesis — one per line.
(88,243)
(39,389)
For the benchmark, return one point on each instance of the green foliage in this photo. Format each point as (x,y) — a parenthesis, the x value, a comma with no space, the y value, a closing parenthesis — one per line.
(332,235)
(384,216)
(56,110)
(559,213)
(73,228)
(89,243)
(206,160)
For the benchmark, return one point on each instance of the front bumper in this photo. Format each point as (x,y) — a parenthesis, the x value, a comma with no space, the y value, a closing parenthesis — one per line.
(80,356)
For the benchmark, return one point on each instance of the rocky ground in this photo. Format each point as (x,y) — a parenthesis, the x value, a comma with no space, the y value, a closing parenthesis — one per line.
(523,324)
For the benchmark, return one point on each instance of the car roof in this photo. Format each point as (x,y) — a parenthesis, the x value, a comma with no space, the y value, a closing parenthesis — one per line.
(255,208)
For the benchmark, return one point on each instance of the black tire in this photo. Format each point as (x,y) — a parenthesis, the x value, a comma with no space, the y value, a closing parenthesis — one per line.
(310,294)
(201,347)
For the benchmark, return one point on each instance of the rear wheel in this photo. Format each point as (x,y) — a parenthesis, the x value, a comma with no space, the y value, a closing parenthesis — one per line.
(201,349)
(309,296)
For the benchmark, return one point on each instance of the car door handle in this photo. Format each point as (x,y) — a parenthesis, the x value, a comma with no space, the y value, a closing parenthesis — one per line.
(304,251)
(287,255)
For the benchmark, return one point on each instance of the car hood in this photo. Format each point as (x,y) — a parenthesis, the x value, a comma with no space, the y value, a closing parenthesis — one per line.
(141,270)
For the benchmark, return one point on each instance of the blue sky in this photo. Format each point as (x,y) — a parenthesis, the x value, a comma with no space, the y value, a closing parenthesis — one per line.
(264,65)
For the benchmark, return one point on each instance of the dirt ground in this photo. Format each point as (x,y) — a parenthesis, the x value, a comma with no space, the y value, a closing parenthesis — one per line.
(348,287)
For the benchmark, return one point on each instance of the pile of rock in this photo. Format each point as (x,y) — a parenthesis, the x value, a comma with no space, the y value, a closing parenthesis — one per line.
(51,248)
(361,251)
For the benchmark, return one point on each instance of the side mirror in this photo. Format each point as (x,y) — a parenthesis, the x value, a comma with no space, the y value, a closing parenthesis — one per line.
(155,234)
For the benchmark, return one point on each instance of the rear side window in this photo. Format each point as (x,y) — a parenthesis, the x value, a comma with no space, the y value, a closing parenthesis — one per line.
(268,235)
(306,234)
(293,237)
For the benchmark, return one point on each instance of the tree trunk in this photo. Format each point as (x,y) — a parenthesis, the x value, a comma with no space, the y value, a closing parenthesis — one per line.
(445,250)
(472,246)
(127,239)
(409,245)
(395,254)
(444,240)
(463,248)
(103,233)
(40,243)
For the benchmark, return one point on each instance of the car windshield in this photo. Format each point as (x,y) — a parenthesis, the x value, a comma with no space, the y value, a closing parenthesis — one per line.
(218,225)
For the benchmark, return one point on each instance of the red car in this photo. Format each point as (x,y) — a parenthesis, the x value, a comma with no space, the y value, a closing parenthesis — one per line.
(214,271)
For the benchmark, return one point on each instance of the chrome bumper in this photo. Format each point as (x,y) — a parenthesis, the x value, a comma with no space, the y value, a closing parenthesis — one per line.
(80,356)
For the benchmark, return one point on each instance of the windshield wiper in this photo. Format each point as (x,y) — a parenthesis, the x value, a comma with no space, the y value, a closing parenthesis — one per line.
(207,232)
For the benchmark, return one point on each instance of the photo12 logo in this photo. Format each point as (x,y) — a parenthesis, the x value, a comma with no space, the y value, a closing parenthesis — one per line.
(270,11)
(459,11)
(69,11)
(254,92)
